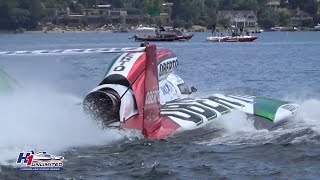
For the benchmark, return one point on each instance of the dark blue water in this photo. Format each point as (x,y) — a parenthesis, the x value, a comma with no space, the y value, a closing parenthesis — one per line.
(45,113)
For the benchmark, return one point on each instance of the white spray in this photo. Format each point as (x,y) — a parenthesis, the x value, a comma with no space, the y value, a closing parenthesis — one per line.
(238,129)
(41,119)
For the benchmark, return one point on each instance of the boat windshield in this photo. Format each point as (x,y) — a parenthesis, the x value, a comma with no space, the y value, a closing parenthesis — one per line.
(172,32)
(184,88)
(179,33)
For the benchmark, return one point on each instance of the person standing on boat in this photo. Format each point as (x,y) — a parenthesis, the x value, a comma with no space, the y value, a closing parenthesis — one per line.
(232,33)
(241,31)
(162,28)
(228,31)
(157,31)
(213,30)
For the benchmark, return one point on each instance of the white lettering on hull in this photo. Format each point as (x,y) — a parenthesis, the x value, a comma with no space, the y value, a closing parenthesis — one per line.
(152,97)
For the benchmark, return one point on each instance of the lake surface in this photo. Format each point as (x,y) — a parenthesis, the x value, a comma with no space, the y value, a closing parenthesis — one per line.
(45,113)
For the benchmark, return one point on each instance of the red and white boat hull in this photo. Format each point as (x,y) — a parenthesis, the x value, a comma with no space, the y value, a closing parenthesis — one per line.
(231,39)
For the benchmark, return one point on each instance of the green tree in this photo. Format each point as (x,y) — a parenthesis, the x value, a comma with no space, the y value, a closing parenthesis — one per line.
(36,12)
(245,5)
(190,11)
(185,13)
(283,15)
(309,6)
(267,18)
(117,3)
(226,5)
(225,22)
(152,7)
(11,15)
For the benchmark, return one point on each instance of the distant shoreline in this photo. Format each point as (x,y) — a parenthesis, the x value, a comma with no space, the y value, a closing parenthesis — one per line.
(62,32)
(93,31)
(52,32)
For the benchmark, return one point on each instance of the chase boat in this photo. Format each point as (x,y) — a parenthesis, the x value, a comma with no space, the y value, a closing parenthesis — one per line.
(165,35)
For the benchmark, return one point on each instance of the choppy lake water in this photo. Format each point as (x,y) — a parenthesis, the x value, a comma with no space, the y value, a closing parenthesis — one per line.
(45,113)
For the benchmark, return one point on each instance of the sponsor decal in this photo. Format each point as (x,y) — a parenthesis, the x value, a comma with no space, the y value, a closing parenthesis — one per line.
(150,117)
(73,51)
(40,161)
(122,62)
(193,109)
(152,97)
(165,89)
(241,99)
(168,66)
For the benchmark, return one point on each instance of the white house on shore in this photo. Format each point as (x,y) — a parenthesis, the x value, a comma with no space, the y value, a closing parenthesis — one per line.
(273,4)
(239,18)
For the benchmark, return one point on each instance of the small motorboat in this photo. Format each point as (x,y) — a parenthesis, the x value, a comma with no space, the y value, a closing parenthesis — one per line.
(121,30)
(257,31)
(277,28)
(232,38)
(317,27)
(145,28)
(174,35)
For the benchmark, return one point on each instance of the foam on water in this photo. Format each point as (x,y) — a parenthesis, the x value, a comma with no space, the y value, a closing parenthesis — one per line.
(236,128)
(235,122)
(42,119)
(309,113)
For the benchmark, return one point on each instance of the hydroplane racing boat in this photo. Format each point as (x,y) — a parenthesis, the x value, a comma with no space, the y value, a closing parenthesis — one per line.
(140,91)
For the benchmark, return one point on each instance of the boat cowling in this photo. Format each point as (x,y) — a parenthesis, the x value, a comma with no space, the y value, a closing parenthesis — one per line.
(120,96)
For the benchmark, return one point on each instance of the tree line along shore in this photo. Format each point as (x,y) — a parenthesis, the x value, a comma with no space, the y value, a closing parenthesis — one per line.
(90,15)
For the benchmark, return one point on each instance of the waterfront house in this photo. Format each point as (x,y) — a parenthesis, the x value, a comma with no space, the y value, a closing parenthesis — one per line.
(273,4)
(300,18)
(239,18)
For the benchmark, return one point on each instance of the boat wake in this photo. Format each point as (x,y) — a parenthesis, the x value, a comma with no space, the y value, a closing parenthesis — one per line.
(236,129)
(44,120)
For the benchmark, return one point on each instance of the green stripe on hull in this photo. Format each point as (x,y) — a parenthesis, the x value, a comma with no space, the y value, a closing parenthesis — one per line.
(111,64)
(4,82)
(267,108)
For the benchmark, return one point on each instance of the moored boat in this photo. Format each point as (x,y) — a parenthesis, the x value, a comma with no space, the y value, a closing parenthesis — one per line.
(277,28)
(144,28)
(232,38)
(317,27)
